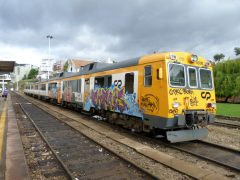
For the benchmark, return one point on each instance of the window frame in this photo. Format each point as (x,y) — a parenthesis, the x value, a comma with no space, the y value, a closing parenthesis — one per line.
(191,67)
(184,75)
(148,76)
(201,81)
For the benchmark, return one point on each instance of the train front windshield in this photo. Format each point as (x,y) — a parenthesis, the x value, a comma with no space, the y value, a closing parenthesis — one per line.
(178,73)
(206,79)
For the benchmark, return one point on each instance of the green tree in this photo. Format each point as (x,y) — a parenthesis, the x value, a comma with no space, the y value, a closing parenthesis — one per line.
(218,57)
(65,66)
(227,78)
(32,74)
(237,50)
(24,77)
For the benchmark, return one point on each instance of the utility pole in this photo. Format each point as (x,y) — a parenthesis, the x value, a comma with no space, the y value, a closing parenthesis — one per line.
(49,49)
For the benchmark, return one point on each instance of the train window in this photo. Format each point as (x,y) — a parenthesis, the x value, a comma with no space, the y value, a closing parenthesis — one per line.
(86,85)
(148,76)
(109,81)
(70,83)
(43,87)
(74,86)
(192,77)
(99,82)
(206,79)
(129,82)
(91,66)
(79,85)
(177,75)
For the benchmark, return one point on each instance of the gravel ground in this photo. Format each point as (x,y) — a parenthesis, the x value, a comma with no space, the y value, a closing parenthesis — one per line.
(132,155)
(224,136)
(227,137)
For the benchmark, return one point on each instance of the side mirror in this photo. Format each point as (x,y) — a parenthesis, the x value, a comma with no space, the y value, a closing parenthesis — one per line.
(159,73)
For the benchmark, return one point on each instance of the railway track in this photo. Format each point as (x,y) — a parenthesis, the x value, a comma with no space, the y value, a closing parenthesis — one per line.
(44,106)
(79,156)
(228,125)
(221,155)
(40,160)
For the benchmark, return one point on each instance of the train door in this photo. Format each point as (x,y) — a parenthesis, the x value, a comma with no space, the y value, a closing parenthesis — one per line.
(59,90)
(149,102)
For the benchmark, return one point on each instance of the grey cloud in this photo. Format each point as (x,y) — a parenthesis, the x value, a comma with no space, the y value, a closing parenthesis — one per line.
(122,29)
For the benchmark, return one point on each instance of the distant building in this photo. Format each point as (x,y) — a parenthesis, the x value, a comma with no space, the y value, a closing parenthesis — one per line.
(47,65)
(74,65)
(20,70)
(4,79)
(58,67)
(46,68)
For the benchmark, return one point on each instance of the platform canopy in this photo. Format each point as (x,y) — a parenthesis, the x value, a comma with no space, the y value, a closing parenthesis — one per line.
(6,66)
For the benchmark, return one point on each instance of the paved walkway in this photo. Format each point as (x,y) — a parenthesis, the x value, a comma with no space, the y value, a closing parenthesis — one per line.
(12,159)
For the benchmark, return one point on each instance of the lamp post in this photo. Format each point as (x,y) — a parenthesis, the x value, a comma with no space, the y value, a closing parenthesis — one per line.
(49,48)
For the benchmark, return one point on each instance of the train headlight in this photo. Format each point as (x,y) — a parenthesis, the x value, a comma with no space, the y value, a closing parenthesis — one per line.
(211,105)
(194,58)
(207,64)
(175,105)
(173,57)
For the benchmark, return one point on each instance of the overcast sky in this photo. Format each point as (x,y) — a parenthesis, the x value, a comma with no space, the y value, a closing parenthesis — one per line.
(116,29)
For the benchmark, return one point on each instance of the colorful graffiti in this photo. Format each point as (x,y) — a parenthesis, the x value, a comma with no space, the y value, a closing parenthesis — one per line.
(53,92)
(67,94)
(113,99)
(110,99)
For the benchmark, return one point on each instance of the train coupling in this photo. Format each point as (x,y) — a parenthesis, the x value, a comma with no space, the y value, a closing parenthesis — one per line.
(186,135)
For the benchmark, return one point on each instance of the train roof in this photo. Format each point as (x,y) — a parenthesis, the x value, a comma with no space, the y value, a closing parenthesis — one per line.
(100,67)
(96,67)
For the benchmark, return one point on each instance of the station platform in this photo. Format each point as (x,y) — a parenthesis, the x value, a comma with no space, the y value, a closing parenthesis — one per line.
(12,160)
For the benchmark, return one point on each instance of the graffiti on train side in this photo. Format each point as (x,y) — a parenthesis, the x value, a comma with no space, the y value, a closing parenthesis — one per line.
(150,103)
(113,99)
(109,100)
(180,91)
(173,111)
(53,92)
(67,94)
(193,101)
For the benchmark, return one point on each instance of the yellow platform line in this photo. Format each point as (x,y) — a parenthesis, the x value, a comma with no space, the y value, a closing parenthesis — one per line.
(2,127)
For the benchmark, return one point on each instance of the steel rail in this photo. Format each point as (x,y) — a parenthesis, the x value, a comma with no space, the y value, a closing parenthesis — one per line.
(50,147)
(228,125)
(185,149)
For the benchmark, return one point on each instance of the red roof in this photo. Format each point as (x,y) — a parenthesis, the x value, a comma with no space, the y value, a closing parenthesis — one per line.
(79,63)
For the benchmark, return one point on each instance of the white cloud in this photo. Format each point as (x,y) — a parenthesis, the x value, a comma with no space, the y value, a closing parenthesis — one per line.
(20,54)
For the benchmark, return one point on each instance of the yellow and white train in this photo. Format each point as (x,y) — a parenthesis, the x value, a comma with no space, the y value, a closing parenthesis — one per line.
(169,92)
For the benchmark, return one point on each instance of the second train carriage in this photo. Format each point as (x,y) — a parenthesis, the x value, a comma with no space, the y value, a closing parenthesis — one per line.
(171,92)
